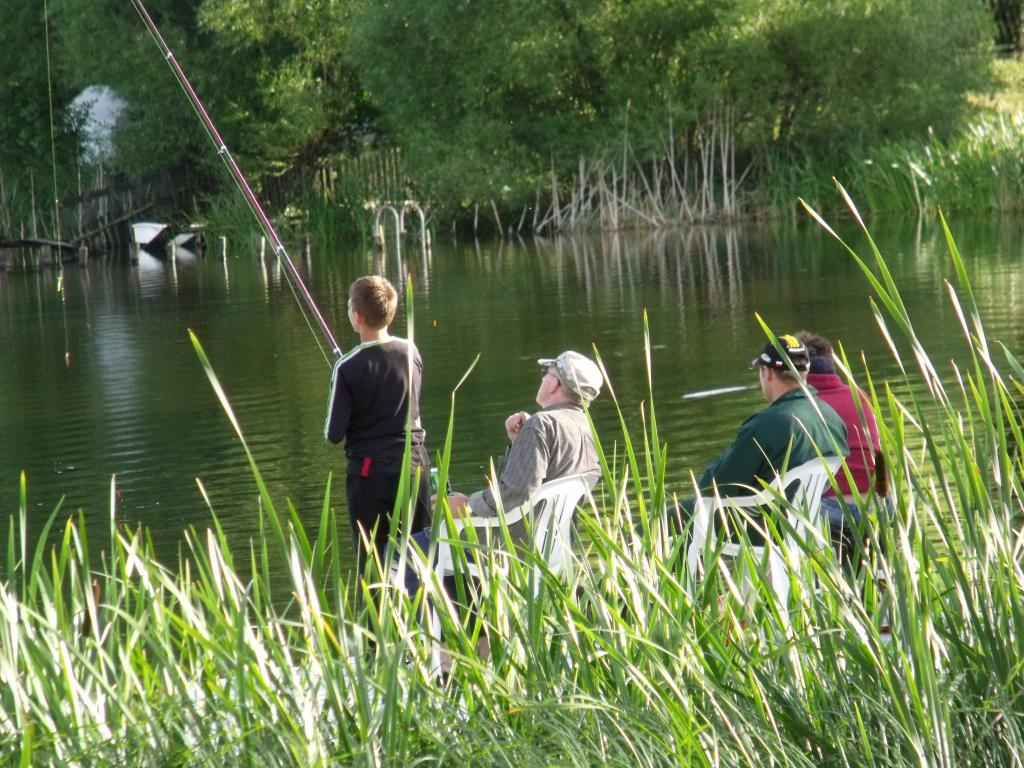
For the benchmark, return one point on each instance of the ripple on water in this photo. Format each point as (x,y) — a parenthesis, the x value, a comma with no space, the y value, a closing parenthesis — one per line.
(136,403)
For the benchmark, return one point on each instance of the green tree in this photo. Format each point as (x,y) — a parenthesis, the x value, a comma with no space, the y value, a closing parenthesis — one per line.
(269,73)
(813,75)
(485,97)
(110,45)
(25,151)
(309,98)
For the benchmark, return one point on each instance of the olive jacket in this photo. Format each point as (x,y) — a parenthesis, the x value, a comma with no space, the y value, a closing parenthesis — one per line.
(797,425)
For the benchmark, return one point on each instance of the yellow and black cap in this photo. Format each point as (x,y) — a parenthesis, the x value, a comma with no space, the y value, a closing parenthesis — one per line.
(794,349)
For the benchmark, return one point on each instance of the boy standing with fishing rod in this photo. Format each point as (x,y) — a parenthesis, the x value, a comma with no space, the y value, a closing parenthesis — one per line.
(375,388)
(375,393)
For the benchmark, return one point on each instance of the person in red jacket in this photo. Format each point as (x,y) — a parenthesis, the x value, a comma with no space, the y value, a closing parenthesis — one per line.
(843,513)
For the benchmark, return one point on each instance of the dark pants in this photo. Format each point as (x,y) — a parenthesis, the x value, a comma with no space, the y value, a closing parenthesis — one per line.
(848,531)
(371,500)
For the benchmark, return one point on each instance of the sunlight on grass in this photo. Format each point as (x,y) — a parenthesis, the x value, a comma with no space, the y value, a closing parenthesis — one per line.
(108,657)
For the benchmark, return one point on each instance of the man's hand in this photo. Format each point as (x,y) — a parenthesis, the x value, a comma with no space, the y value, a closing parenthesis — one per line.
(458,503)
(514,423)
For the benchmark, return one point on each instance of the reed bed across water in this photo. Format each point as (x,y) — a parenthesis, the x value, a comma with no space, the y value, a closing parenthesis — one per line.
(108,657)
(699,178)
(978,170)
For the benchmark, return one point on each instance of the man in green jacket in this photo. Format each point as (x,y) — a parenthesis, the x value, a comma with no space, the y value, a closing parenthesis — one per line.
(793,429)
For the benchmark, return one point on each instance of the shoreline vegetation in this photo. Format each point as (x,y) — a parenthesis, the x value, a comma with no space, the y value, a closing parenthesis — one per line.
(978,172)
(601,114)
(108,657)
(695,179)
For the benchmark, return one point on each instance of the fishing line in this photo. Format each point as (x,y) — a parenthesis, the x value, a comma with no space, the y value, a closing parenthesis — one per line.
(56,200)
(295,281)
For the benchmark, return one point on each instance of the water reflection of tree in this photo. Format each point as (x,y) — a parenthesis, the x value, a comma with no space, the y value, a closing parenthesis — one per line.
(698,265)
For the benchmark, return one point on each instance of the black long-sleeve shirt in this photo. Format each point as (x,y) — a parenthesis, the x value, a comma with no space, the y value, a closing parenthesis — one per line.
(373,389)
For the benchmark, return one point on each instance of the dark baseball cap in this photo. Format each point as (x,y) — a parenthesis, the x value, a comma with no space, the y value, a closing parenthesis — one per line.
(794,349)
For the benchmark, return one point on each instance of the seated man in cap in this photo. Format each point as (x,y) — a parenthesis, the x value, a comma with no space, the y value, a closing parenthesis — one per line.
(794,427)
(552,443)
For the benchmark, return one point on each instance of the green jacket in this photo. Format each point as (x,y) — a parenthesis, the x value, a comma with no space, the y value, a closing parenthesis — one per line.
(762,442)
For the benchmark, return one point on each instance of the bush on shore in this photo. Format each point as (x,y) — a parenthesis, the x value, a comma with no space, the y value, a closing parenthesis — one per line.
(488,101)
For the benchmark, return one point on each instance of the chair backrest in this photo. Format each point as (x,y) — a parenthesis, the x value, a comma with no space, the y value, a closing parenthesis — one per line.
(805,484)
(802,486)
(810,479)
(554,504)
(552,508)
(548,514)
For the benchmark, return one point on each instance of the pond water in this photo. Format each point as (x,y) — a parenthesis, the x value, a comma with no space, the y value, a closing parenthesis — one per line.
(135,403)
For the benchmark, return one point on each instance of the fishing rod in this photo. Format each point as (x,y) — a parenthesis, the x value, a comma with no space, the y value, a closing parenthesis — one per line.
(56,198)
(242,183)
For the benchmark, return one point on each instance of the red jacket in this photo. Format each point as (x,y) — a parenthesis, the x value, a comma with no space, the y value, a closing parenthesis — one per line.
(861,429)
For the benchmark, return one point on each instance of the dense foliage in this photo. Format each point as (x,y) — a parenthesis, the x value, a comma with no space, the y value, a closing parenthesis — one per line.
(108,43)
(486,97)
(25,150)
(487,100)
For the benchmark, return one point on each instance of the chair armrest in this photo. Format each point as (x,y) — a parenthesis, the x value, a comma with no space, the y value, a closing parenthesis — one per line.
(759,499)
(460,522)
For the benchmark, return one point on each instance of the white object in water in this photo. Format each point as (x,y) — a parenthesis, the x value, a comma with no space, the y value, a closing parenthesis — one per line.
(149,234)
(713,392)
(184,254)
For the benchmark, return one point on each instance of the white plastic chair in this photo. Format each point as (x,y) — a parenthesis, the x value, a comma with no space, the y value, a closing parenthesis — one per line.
(811,478)
(550,530)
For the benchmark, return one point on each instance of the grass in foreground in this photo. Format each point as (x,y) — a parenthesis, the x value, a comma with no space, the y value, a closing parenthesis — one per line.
(108,657)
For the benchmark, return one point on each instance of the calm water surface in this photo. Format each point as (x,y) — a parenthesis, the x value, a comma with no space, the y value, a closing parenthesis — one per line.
(135,403)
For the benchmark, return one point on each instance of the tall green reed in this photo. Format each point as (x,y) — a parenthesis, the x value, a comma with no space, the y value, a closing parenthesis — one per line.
(108,657)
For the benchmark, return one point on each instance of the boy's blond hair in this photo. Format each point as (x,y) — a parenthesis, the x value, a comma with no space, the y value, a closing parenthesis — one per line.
(375,298)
